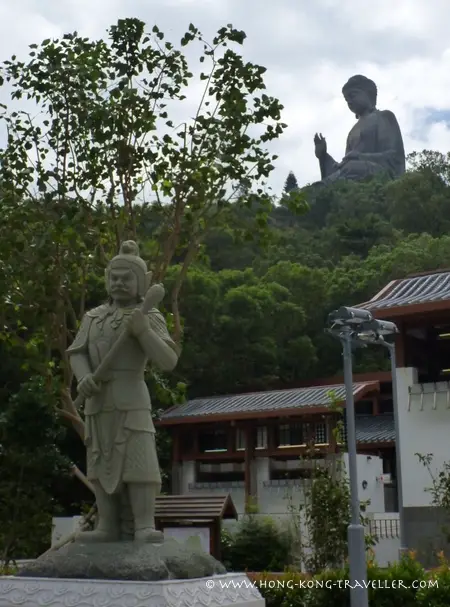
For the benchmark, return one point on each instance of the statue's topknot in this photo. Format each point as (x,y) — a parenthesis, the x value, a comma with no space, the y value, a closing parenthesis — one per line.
(129,247)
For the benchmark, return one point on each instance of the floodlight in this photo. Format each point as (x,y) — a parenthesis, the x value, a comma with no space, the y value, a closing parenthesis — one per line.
(381,328)
(350,316)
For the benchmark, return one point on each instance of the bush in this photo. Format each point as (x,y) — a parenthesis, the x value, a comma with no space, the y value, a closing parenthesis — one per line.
(418,588)
(259,544)
(8,569)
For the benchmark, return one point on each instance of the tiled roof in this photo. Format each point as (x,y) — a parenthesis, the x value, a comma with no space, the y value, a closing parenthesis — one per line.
(375,429)
(414,290)
(277,400)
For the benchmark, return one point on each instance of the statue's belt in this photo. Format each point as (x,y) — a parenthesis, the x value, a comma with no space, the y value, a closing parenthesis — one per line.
(122,374)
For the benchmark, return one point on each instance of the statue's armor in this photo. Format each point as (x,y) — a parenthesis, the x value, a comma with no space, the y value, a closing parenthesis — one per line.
(119,431)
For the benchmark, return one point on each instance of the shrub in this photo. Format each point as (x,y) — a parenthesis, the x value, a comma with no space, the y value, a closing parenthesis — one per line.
(418,587)
(327,515)
(437,595)
(259,544)
(8,569)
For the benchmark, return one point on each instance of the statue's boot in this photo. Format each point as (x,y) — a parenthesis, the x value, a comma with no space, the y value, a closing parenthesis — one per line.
(142,499)
(126,517)
(108,527)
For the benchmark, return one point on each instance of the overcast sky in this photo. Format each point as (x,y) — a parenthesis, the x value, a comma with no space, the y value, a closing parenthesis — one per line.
(310,48)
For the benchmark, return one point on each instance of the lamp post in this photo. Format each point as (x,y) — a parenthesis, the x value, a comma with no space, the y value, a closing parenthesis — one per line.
(357,327)
(345,324)
(383,332)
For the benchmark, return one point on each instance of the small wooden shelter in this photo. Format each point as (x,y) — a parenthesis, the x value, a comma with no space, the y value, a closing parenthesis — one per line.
(196,511)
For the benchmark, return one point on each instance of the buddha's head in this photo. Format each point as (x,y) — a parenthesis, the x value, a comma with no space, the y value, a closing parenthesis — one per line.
(360,93)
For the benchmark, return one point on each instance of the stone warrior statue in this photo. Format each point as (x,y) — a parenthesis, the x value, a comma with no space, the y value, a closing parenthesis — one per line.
(374,144)
(122,462)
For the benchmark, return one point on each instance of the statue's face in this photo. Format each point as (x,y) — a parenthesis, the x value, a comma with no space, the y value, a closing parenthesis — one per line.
(123,286)
(358,101)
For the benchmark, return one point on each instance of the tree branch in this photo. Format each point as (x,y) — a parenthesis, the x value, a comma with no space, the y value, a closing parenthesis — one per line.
(76,422)
(191,252)
(80,476)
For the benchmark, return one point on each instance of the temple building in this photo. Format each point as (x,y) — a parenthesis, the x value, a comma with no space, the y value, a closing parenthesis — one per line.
(254,446)
(260,446)
(420,306)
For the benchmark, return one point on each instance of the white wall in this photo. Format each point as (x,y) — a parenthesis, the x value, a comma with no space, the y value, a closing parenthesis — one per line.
(63,526)
(187,476)
(387,530)
(423,430)
(369,469)
(279,499)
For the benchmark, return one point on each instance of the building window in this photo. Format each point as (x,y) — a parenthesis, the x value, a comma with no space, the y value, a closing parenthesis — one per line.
(211,441)
(288,469)
(220,473)
(290,435)
(284,436)
(302,434)
(342,431)
(261,437)
(240,439)
(307,432)
(321,435)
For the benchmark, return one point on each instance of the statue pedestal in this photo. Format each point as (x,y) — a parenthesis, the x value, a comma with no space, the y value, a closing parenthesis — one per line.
(218,591)
(128,574)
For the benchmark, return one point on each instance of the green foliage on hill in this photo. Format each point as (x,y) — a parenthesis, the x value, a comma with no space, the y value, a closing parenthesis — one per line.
(254,317)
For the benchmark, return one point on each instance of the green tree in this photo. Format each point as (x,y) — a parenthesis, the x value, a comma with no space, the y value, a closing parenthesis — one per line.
(420,199)
(291,183)
(31,463)
(242,332)
(108,139)
(104,149)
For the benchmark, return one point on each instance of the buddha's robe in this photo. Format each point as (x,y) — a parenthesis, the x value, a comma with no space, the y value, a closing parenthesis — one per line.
(377,140)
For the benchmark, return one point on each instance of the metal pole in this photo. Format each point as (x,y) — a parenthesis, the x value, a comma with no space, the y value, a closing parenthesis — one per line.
(356,541)
(398,463)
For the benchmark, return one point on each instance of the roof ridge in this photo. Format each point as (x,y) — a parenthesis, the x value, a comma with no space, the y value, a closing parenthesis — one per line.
(426,273)
(254,392)
(268,402)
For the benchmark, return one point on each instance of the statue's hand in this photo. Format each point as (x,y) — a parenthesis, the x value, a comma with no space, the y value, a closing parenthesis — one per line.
(87,386)
(320,145)
(137,323)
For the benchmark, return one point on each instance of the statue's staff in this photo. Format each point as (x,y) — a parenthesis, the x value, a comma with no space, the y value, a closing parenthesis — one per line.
(153,297)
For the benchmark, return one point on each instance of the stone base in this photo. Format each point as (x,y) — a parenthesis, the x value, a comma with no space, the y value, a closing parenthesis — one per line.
(132,561)
(218,591)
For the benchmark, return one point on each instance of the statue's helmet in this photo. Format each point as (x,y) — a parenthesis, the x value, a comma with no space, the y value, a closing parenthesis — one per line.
(363,83)
(129,258)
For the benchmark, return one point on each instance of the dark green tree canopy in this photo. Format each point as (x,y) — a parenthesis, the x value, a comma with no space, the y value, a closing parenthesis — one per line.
(290,183)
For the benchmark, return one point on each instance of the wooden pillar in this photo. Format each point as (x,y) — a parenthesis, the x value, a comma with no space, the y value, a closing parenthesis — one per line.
(249,455)
(176,438)
(376,405)
(271,429)
(196,448)
(231,436)
(215,539)
(176,471)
